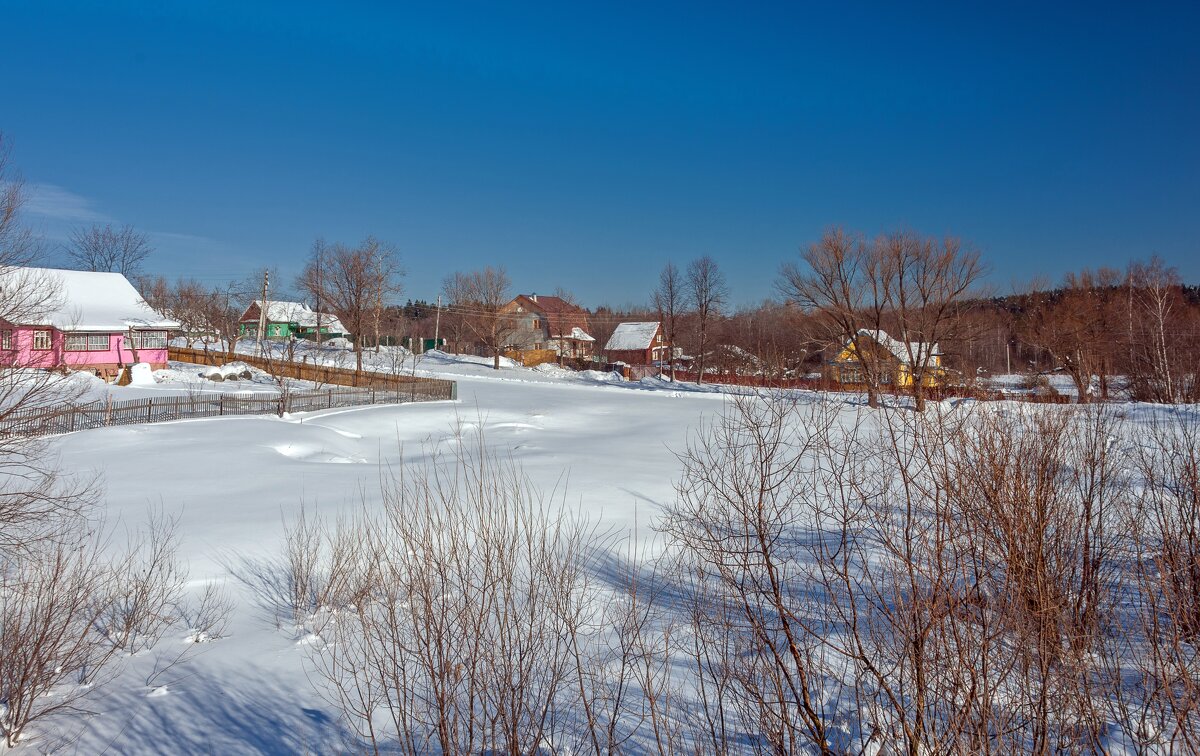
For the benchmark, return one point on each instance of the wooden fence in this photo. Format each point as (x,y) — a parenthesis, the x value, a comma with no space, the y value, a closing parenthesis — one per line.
(48,421)
(532,357)
(323,374)
(826,384)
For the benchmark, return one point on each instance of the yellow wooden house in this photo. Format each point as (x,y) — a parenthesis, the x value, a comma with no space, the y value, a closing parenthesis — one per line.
(890,357)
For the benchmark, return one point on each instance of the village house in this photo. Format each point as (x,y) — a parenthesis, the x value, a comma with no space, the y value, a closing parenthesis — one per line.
(636,344)
(82,320)
(290,319)
(890,357)
(548,323)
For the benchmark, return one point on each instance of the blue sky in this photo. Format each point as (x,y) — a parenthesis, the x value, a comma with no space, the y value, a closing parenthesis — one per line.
(583,145)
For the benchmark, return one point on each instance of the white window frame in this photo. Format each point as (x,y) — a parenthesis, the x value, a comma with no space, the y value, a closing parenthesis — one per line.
(143,338)
(87,342)
(40,336)
(6,339)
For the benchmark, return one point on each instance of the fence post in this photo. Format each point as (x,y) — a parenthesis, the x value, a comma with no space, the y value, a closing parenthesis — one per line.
(149,405)
(328,398)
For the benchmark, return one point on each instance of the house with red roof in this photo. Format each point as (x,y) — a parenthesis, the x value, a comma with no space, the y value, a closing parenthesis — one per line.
(550,323)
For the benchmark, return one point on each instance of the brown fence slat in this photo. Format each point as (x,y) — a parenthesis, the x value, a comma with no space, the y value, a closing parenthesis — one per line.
(319,373)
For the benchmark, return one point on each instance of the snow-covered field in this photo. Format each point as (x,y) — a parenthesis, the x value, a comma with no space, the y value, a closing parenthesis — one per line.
(233,482)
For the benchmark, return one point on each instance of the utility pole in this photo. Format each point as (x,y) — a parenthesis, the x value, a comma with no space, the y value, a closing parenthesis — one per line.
(320,264)
(437,323)
(262,309)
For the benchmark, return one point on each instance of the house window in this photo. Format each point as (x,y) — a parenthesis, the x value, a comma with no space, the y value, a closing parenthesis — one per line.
(41,340)
(537,323)
(6,339)
(86,342)
(150,339)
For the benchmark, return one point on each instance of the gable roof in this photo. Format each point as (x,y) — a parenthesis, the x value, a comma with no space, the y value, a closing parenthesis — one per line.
(899,349)
(86,301)
(300,314)
(632,337)
(548,305)
(562,317)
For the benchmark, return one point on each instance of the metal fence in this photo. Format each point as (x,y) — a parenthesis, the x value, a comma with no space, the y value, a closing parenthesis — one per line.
(35,422)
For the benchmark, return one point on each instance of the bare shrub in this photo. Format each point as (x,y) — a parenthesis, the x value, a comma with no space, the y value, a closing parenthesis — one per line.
(50,653)
(1040,492)
(207,616)
(936,582)
(1163,709)
(148,587)
(742,517)
(481,630)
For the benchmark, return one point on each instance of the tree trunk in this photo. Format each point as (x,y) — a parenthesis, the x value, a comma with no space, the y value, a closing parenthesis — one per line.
(919,393)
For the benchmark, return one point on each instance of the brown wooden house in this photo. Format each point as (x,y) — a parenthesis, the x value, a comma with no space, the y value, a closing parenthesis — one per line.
(548,323)
(636,344)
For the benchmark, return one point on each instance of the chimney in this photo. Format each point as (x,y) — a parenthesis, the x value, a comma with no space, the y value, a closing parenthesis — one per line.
(533,296)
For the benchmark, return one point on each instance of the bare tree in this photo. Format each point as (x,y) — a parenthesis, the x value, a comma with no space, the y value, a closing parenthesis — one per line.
(668,301)
(839,286)
(1079,327)
(110,250)
(478,298)
(356,283)
(18,245)
(707,292)
(38,504)
(1157,320)
(926,284)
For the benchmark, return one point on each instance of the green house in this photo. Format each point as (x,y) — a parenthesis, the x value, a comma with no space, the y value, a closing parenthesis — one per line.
(290,319)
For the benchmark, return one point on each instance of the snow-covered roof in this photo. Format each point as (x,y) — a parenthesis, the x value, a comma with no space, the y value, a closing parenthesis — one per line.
(300,314)
(899,349)
(85,301)
(632,336)
(576,334)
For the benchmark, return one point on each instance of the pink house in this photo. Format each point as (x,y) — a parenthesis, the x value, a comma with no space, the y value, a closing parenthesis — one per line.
(78,319)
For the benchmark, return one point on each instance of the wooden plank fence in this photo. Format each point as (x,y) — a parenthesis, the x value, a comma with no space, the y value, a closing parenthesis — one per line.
(48,421)
(321,374)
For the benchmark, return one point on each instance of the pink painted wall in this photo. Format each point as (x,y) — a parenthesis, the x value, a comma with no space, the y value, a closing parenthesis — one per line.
(118,353)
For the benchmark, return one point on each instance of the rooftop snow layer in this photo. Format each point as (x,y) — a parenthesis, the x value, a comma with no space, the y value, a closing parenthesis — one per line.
(300,314)
(85,301)
(919,350)
(576,334)
(632,336)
